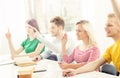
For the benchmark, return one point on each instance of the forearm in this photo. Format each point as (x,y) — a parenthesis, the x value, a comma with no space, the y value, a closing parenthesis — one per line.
(86,68)
(73,66)
(116,8)
(63,50)
(90,66)
(12,50)
(39,49)
(48,44)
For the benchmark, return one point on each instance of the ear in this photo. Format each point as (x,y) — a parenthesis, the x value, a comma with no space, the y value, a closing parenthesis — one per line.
(61,27)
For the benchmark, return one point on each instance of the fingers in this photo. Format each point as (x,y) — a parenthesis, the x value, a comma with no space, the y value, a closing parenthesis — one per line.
(68,73)
(65,36)
(8,34)
(35,29)
(59,62)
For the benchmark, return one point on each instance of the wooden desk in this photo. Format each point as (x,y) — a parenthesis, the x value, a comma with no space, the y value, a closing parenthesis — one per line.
(53,71)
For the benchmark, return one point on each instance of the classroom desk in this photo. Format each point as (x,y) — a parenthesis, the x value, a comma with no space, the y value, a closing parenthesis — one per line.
(53,71)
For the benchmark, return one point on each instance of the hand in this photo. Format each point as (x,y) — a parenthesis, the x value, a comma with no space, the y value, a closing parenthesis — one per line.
(64,39)
(68,72)
(63,65)
(8,34)
(31,55)
(12,57)
(37,58)
(37,33)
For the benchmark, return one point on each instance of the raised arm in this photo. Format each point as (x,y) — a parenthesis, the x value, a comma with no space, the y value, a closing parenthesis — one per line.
(116,8)
(63,42)
(11,47)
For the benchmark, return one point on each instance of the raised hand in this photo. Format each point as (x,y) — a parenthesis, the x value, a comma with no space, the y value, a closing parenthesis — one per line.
(64,39)
(37,33)
(8,34)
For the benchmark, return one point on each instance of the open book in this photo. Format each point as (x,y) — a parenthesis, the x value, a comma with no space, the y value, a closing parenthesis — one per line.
(24,61)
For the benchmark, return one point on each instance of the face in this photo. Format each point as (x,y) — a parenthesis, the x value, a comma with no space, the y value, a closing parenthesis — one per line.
(54,29)
(112,28)
(29,29)
(80,32)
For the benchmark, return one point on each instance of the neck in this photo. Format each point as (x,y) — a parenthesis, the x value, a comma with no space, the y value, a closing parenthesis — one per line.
(31,37)
(60,35)
(85,44)
(117,37)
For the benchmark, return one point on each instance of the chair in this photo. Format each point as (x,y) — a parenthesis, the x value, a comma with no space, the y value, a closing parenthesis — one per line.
(109,69)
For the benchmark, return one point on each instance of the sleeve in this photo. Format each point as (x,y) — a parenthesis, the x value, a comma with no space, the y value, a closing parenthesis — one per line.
(70,58)
(23,43)
(107,55)
(48,44)
(95,54)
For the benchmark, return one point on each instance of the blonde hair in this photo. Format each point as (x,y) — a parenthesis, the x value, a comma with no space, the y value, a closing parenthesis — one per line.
(89,30)
(112,15)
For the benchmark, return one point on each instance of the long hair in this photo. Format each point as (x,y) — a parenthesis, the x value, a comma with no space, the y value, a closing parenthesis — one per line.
(89,30)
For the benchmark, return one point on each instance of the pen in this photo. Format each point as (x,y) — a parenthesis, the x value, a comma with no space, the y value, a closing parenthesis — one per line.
(39,71)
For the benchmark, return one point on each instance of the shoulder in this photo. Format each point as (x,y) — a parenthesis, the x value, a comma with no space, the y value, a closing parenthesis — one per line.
(94,47)
(37,40)
(27,39)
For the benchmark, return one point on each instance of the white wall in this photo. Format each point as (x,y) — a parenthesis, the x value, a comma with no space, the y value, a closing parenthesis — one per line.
(12,15)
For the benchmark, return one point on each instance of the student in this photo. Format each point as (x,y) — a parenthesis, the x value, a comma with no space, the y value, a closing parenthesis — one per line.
(84,53)
(112,53)
(57,32)
(31,45)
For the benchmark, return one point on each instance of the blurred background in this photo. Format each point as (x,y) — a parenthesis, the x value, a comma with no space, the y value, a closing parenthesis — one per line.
(13,14)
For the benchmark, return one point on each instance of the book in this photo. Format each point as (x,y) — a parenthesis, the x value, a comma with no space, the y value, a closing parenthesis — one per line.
(24,61)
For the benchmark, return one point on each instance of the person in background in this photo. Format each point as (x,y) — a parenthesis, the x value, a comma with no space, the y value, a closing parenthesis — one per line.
(84,53)
(31,45)
(54,46)
(112,53)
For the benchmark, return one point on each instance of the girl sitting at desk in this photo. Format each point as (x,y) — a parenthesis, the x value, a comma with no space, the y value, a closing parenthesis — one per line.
(84,53)
(31,45)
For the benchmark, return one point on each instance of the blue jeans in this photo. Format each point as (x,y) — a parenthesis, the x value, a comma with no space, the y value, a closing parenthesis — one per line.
(109,69)
(48,55)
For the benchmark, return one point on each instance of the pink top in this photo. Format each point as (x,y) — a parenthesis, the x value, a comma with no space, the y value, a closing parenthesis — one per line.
(82,57)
